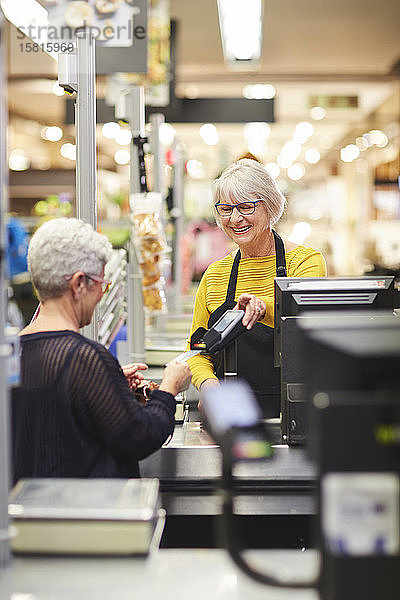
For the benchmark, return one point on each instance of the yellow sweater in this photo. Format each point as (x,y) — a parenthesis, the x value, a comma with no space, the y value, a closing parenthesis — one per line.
(255,276)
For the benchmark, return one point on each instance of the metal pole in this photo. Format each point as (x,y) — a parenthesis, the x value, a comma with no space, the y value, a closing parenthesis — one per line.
(4,392)
(136,316)
(85,119)
(156,121)
(179,221)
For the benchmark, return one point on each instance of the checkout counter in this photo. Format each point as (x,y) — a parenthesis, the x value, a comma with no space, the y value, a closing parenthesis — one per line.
(189,563)
(168,574)
(275,498)
(275,501)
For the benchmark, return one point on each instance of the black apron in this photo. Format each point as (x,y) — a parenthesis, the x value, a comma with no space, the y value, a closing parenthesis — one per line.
(255,347)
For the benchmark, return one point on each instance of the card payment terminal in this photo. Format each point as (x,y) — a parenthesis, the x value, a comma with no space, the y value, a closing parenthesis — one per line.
(209,341)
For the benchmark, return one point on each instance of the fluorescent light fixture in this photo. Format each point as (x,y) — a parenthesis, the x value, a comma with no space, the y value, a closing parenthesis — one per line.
(240,24)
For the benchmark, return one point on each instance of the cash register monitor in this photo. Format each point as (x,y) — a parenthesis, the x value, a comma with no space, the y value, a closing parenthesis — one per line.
(350,329)
(353,381)
(351,351)
(346,354)
(294,295)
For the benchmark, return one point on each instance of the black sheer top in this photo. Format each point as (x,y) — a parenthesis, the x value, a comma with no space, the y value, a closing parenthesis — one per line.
(74,414)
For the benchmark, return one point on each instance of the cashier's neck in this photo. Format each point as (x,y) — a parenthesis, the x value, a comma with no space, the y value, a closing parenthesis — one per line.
(265,248)
(55,314)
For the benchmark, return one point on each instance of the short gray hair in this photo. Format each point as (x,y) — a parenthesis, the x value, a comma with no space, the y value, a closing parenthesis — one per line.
(61,247)
(246,180)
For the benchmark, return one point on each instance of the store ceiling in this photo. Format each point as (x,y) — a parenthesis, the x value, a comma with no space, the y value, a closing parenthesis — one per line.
(310,47)
(301,39)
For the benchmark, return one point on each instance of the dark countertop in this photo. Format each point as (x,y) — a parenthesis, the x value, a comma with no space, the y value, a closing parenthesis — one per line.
(192,456)
(189,470)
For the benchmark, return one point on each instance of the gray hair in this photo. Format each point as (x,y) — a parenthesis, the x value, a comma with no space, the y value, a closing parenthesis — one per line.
(247,180)
(61,247)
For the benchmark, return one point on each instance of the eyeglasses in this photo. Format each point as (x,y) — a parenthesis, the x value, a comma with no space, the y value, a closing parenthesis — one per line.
(244,208)
(105,285)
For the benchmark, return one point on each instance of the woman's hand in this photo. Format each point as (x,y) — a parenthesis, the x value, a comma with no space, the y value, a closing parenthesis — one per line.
(133,376)
(177,377)
(254,308)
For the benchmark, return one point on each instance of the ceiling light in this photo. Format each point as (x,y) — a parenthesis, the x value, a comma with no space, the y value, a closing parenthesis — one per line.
(284,161)
(167,134)
(52,134)
(209,134)
(241,31)
(317,113)
(68,151)
(273,169)
(18,161)
(256,135)
(194,168)
(296,171)
(259,91)
(123,137)
(122,157)
(291,150)
(303,131)
(258,130)
(312,156)
(110,130)
(57,89)
(378,138)
(349,153)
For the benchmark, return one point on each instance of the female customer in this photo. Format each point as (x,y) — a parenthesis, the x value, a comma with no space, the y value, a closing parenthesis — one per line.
(74,414)
(247,203)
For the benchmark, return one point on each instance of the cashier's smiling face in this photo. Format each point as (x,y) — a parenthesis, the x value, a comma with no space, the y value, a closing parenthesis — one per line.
(248,231)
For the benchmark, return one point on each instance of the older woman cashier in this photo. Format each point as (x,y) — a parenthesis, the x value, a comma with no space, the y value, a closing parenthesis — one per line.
(247,204)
